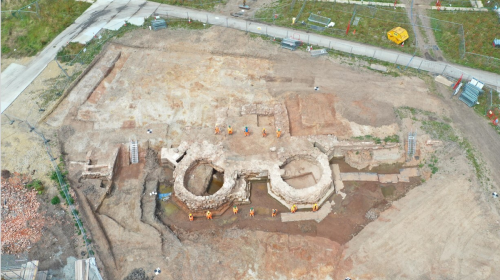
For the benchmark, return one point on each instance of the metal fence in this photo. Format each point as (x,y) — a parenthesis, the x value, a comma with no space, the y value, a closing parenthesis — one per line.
(32,8)
(88,53)
(94,271)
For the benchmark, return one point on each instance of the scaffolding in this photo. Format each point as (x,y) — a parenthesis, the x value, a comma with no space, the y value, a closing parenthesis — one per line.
(19,268)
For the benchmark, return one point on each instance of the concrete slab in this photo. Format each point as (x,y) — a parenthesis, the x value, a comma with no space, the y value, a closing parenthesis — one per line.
(10,73)
(352,176)
(365,176)
(93,9)
(124,15)
(89,33)
(388,178)
(336,172)
(409,172)
(403,178)
(359,176)
(147,10)
(443,80)
(339,186)
(378,67)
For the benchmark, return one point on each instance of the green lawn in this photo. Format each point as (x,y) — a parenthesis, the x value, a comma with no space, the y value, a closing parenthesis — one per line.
(453,3)
(479,28)
(27,33)
(372,28)
(196,4)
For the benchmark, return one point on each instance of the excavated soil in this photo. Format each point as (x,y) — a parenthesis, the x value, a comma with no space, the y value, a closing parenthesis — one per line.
(172,81)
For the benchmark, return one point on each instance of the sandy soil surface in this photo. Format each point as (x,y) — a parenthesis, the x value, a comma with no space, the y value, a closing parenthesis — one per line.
(443,229)
(174,82)
(24,152)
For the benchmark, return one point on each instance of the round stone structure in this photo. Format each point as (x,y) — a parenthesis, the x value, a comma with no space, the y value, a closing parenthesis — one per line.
(209,154)
(305,196)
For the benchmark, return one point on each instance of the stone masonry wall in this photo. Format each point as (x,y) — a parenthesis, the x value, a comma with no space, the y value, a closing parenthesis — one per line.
(308,195)
(214,156)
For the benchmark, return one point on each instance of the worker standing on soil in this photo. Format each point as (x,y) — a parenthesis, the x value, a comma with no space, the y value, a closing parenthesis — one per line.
(294,208)
(315,207)
(191,218)
(217,130)
(235,210)
(274,212)
(278,133)
(264,134)
(247,132)
(209,215)
(229,130)
(252,212)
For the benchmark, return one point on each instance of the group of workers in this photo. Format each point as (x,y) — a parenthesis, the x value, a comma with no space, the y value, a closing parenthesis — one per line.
(247,131)
(274,212)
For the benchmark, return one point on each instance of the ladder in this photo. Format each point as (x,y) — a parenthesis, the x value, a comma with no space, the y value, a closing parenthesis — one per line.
(412,144)
(134,152)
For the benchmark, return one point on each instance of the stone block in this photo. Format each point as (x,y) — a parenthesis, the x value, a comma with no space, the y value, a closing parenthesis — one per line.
(366,176)
(403,178)
(378,67)
(336,172)
(409,172)
(388,178)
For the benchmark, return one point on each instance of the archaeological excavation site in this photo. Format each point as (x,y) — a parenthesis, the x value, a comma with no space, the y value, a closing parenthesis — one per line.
(177,123)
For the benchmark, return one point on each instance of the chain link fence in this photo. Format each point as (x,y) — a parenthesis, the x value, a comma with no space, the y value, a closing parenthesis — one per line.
(73,64)
(32,8)
(94,273)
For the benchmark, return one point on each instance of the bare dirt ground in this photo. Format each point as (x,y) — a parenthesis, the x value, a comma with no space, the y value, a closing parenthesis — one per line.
(175,81)
(23,151)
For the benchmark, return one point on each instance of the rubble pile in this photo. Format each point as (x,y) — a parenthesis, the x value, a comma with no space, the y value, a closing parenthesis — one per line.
(22,224)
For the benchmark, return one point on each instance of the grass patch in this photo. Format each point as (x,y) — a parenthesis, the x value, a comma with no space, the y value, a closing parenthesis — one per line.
(369,138)
(479,29)
(432,164)
(184,24)
(55,200)
(37,185)
(372,28)
(393,138)
(452,3)
(27,34)
(208,5)
(437,128)
(67,53)
(485,100)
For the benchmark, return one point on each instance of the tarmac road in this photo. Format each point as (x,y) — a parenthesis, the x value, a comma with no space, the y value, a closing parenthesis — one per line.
(106,14)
